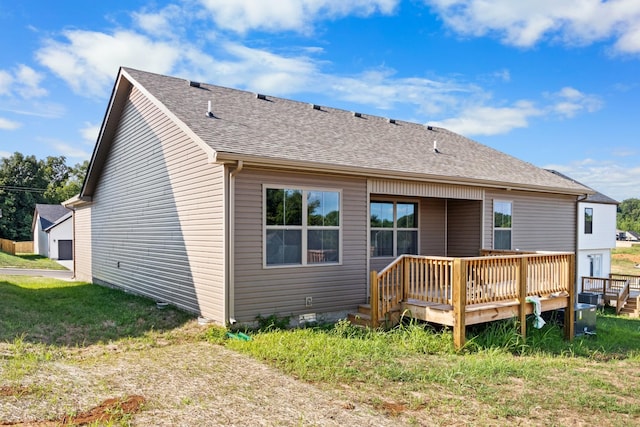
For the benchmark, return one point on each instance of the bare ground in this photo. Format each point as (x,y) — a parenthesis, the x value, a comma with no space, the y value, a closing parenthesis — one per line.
(186,384)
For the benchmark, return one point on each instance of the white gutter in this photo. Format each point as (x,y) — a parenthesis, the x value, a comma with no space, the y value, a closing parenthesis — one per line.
(231,297)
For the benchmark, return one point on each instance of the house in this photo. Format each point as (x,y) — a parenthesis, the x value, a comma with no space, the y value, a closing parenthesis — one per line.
(232,204)
(596,234)
(52,230)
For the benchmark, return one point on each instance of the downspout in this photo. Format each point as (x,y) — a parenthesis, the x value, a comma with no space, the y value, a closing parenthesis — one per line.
(231,241)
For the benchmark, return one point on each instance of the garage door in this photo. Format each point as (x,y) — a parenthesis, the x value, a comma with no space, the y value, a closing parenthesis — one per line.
(65,249)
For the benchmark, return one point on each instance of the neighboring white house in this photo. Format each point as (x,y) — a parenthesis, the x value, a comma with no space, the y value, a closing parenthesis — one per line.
(60,238)
(52,230)
(596,235)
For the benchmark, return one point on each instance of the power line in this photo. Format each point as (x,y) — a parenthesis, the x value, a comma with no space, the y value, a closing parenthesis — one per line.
(25,189)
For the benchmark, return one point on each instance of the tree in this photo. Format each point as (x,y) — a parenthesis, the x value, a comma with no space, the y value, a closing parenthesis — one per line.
(629,215)
(25,181)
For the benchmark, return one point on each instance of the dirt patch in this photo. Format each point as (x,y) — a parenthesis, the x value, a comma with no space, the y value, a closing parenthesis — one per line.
(627,257)
(109,410)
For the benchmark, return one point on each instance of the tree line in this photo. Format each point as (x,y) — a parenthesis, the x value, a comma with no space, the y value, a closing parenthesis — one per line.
(629,215)
(25,181)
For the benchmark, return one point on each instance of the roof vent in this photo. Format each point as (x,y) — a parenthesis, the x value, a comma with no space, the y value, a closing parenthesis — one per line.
(430,127)
(357,114)
(194,84)
(392,121)
(261,96)
(209,112)
(315,106)
(435,147)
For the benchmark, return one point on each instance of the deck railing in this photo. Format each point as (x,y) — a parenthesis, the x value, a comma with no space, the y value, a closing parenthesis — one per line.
(462,282)
(634,280)
(603,285)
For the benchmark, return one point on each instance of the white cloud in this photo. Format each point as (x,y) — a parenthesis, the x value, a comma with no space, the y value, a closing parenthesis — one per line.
(90,132)
(5,82)
(288,15)
(70,151)
(617,180)
(527,22)
(6,124)
(484,120)
(569,101)
(89,60)
(23,82)
(162,23)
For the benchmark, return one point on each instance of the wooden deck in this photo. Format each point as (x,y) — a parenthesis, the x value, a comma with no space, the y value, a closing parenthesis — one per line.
(618,290)
(466,291)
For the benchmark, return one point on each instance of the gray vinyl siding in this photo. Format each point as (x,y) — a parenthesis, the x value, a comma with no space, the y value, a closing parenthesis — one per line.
(266,291)
(433,224)
(158,215)
(82,244)
(540,221)
(464,228)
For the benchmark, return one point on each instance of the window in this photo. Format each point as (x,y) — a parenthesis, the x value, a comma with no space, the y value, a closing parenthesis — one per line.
(299,221)
(595,265)
(394,229)
(588,220)
(502,216)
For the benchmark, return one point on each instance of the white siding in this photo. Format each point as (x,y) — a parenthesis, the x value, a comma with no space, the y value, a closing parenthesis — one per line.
(540,221)
(596,247)
(62,231)
(39,239)
(267,291)
(157,216)
(604,226)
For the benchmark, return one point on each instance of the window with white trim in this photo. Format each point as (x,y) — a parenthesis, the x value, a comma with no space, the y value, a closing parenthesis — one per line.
(502,223)
(394,228)
(302,226)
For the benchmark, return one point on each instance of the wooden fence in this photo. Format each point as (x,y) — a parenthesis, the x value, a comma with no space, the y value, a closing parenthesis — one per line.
(12,248)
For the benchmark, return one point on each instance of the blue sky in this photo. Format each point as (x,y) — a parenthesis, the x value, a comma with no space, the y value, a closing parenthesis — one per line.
(555,83)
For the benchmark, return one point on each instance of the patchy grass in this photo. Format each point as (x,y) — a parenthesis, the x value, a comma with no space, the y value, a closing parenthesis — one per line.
(624,260)
(68,347)
(28,261)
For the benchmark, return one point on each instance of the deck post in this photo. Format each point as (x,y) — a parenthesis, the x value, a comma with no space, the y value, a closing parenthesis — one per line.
(522,291)
(373,295)
(459,302)
(569,315)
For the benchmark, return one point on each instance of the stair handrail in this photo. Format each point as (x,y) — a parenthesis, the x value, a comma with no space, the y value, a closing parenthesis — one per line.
(622,297)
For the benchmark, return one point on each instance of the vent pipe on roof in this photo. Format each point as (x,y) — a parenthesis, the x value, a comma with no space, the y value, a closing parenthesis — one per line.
(209,112)
(435,147)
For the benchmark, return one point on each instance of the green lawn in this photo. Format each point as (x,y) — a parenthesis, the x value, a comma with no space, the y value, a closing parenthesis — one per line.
(412,374)
(28,261)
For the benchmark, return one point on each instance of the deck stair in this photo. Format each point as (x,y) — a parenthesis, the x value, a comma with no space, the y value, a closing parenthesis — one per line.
(363,317)
(631,308)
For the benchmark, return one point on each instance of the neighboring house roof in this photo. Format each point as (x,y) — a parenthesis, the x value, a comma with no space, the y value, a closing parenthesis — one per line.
(49,214)
(596,197)
(60,220)
(266,130)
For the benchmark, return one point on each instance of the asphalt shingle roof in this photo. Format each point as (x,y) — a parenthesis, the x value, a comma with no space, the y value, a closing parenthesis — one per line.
(49,214)
(282,130)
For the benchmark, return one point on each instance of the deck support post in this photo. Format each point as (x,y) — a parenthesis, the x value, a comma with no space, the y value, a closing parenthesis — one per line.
(373,295)
(459,302)
(522,292)
(569,315)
